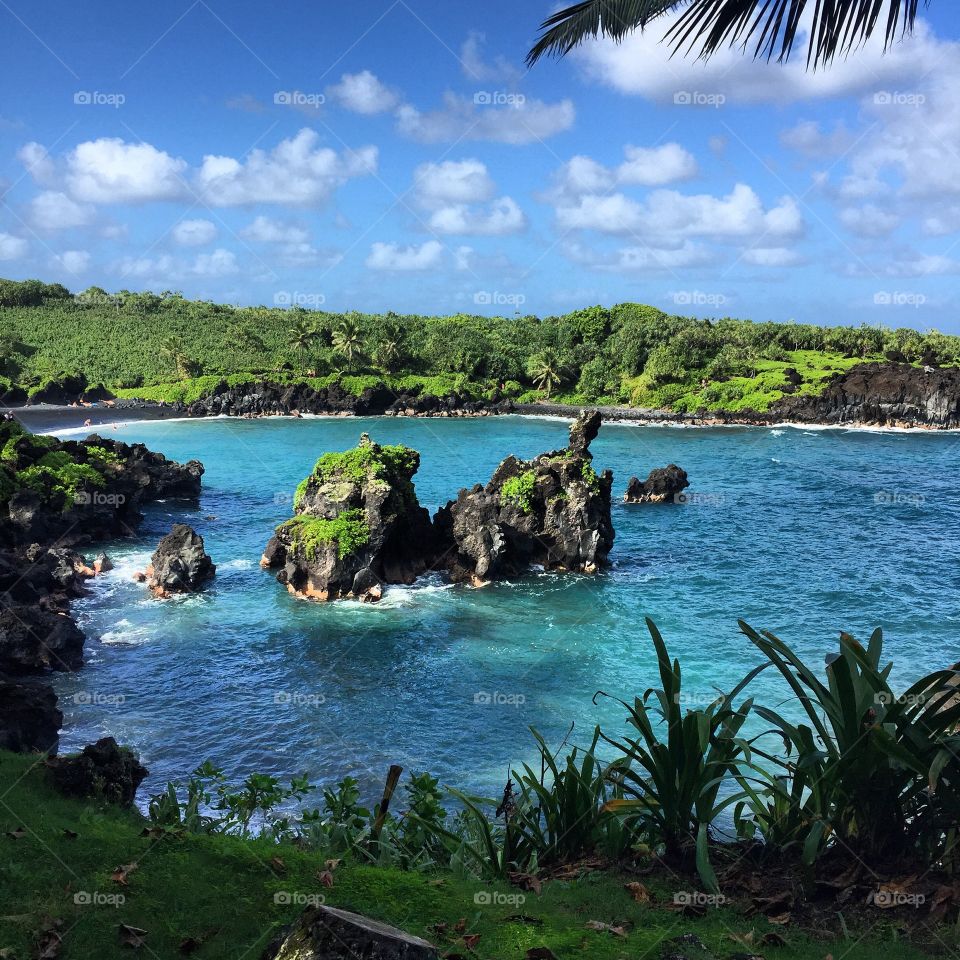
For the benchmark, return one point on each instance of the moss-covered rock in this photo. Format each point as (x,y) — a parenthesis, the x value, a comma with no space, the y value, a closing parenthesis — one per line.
(357,525)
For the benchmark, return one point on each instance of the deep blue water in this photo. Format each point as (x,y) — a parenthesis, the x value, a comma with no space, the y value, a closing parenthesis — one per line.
(801,532)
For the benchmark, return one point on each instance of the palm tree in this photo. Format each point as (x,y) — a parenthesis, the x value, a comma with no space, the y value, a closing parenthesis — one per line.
(172,349)
(302,334)
(388,348)
(546,370)
(347,340)
(772,26)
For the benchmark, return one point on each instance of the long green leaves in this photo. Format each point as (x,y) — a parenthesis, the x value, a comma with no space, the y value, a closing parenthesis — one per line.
(771,27)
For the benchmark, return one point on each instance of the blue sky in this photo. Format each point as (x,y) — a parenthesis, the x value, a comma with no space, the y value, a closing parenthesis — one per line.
(397,155)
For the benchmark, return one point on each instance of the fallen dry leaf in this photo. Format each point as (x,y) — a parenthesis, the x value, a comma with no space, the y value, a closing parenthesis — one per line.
(277,864)
(332,865)
(638,892)
(470,940)
(526,881)
(18,834)
(600,927)
(121,873)
(325,877)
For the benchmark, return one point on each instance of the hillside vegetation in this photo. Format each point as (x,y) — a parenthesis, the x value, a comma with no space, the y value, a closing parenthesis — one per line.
(163,346)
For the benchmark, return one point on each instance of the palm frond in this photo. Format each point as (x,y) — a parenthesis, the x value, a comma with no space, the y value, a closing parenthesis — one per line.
(568,28)
(771,27)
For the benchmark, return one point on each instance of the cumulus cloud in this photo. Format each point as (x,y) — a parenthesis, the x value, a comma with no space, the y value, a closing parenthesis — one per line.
(153,271)
(475,67)
(267,230)
(194,233)
(450,192)
(73,261)
(810,139)
(643,65)
(12,248)
(772,257)
(220,263)
(391,256)
(363,93)
(297,172)
(640,259)
(667,216)
(38,163)
(110,170)
(869,221)
(520,121)
(53,210)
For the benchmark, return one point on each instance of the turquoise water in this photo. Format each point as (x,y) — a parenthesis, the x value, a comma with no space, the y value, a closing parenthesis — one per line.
(801,532)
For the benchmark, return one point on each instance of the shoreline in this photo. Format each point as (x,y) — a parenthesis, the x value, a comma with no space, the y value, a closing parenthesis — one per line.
(56,419)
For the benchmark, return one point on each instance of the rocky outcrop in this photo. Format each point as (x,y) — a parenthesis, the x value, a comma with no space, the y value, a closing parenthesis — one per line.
(662,486)
(357,525)
(180,564)
(103,769)
(266,399)
(326,933)
(553,511)
(54,495)
(29,719)
(882,394)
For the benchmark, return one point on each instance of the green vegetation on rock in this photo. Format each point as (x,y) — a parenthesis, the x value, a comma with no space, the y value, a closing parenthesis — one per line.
(518,490)
(311,535)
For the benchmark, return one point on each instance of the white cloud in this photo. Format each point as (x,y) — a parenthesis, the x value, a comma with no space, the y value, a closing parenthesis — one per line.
(363,93)
(502,217)
(297,172)
(642,64)
(112,171)
(523,121)
(220,263)
(667,216)
(772,257)
(194,233)
(152,271)
(267,230)
(391,256)
(498,70)
(73,261)
(640,259)
(453,181)
(52,210)
(38,163)
(869,221)
(12,248)
(808,138)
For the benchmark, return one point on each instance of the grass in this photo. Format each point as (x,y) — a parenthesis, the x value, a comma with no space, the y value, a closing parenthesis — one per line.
(231,895)
(312,535)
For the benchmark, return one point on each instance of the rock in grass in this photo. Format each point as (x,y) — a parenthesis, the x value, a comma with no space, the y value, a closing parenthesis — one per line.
(325,933)
(29,719)
(357,525)
(180,563)
(553,511)
(102,769)
(662,486)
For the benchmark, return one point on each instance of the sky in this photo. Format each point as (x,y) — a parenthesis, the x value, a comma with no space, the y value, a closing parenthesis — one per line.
(398,155)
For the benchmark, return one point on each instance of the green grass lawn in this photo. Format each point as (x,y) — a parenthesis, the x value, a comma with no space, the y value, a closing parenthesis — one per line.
(223,897)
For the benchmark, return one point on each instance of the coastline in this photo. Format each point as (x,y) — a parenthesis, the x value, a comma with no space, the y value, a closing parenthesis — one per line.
(57,419)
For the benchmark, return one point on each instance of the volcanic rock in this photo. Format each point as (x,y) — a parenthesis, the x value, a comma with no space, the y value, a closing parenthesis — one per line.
(179,564)
(29,719)
(102,769)
(662,486)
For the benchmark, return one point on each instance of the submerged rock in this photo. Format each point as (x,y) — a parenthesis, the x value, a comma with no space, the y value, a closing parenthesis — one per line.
(102,769)
(553,511)
(180,564)
(29,719)
(357,525)
(325,933)
(662,486)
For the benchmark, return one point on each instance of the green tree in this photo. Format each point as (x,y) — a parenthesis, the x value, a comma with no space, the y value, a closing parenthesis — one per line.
(706,26)
(301,337)
(546,371)
(347,340)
